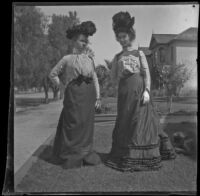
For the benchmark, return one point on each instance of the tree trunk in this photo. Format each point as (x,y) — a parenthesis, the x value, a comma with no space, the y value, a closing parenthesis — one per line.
(55,94)
(46,95)
(170,104)
(46,90)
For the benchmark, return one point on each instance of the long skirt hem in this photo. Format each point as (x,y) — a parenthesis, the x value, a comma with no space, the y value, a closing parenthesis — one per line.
(138,141)
(74,137)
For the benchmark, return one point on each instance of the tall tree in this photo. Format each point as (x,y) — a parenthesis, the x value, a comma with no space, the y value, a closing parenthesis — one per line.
(28,36)
(57,33)
(38,44)
(59,44)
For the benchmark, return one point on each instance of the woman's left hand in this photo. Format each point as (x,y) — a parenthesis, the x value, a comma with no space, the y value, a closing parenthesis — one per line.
(98,104)
(145,97)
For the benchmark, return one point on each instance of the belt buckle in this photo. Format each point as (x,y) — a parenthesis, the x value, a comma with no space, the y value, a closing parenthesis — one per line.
(88,80)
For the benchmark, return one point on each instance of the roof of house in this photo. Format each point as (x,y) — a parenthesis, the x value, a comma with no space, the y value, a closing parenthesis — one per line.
(163,38)
(189,34)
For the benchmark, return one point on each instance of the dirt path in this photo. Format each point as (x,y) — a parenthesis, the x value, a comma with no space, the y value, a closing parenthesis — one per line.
(32,128)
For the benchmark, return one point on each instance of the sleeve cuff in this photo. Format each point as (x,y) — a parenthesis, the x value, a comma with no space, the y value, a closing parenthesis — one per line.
(147,89)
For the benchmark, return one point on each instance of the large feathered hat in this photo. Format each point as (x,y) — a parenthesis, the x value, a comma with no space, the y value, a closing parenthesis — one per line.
(123,22)
(87,28)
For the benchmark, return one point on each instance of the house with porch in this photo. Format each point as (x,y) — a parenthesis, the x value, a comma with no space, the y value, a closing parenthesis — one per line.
(176,49)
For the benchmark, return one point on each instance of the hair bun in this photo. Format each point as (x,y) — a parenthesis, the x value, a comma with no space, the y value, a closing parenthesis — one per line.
(122,20)
(87,28)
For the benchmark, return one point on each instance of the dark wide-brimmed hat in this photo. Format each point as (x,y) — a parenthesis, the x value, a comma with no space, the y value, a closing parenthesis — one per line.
(86,28)
(123,22)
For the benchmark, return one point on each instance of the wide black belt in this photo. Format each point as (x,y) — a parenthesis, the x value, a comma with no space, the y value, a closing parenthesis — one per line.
(82,78)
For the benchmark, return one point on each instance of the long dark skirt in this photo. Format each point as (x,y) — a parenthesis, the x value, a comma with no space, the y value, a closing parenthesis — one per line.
(138,142)
(74,136)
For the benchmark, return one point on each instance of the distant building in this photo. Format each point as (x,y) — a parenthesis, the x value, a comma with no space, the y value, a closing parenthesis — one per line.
(176,49)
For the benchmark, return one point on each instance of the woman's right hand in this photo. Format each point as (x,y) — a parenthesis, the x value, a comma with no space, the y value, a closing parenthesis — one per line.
(56,86)
(145,97)
(98,104)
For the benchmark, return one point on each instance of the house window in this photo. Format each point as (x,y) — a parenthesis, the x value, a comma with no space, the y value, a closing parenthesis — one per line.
(155,57)
(162,55)
(172,54)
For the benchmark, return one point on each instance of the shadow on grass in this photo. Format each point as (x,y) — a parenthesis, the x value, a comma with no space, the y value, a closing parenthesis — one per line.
(188,100)
(189,129)
(45,153)
(29,102)
(183,113)
(103,156)
(183,100)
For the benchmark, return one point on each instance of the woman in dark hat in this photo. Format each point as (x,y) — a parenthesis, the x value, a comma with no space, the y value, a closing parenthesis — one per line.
(138,142)
(74,136)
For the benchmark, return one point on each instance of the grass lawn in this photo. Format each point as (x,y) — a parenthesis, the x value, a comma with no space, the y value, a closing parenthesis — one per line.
(183,104)
(47,176)
(175,175)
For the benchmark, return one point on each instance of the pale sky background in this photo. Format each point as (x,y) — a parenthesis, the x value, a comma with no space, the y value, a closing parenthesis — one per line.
(161,19)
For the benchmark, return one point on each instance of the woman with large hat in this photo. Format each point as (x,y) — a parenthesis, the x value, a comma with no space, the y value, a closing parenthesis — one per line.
(138,142)
(73,144)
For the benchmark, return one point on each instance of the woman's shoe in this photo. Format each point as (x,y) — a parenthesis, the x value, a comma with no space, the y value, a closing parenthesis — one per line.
(72,163)
(92,159)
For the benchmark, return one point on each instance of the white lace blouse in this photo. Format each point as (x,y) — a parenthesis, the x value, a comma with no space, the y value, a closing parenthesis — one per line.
(130,61)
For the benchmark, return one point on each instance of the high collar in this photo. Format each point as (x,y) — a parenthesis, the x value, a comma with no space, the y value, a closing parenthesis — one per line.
(76,51)
(129,48)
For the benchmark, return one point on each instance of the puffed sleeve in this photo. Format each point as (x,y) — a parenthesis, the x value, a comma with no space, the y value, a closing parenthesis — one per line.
(56,71)
(145,70)
(114,70)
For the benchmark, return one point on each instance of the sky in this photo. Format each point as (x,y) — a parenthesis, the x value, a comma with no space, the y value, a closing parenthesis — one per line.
(161,19)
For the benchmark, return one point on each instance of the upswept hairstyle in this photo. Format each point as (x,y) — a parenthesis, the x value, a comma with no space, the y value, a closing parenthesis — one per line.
(123,22)
(87,28)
